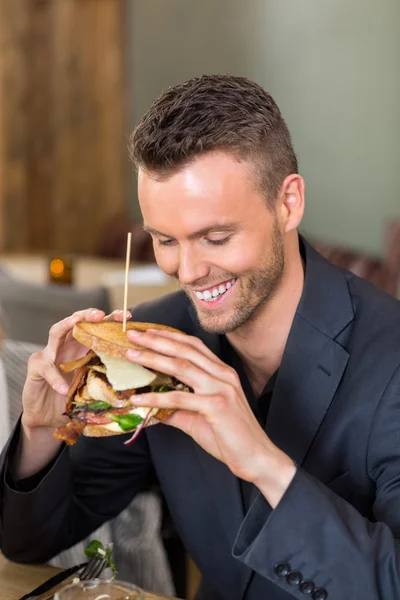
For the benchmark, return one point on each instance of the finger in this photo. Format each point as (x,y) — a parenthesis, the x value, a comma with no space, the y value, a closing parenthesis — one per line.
(178,348)
(185,371)
(40,368)
(60,330)
(189,340)
(58,334)
(118,315)
(182,419)
(185,420)
(175,400)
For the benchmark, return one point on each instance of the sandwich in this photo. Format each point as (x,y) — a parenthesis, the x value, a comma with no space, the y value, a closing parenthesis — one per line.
(104,380)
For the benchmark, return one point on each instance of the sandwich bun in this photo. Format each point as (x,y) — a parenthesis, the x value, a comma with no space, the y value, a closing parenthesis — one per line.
(107,337)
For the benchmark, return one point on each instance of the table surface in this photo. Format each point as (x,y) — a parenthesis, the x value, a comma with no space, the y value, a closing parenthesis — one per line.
(17,580)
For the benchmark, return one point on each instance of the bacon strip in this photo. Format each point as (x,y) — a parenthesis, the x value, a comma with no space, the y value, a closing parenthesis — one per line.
(70,432)
(102,418)
(78,380)
(70,366)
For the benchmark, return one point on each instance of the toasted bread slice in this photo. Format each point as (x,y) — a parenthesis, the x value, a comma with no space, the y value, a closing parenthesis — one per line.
(108,338)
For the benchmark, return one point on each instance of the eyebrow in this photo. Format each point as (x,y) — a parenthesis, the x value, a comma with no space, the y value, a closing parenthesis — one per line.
(200,232)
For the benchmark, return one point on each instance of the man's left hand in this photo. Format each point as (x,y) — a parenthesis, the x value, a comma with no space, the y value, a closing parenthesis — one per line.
(217,415)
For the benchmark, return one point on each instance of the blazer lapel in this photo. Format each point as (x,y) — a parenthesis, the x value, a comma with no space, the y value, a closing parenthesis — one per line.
(311,370)
(313,362)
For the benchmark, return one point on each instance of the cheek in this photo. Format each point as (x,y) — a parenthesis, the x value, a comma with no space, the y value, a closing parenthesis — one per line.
(167,260)
(239,261)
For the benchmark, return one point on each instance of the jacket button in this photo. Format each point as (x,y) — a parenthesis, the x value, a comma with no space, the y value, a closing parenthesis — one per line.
(319,594)
(294,577)
(306,586)
(282,569)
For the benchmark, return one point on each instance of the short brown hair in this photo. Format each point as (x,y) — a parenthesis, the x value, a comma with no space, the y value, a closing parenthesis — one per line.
(215,112)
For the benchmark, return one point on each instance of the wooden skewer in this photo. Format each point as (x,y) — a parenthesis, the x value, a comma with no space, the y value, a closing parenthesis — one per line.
(128,256)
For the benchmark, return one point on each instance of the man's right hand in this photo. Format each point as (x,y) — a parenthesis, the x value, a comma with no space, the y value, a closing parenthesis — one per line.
(45,391)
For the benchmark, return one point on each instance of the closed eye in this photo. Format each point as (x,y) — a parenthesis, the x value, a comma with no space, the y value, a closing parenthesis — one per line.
(218,242)
(168,242)
(208,241)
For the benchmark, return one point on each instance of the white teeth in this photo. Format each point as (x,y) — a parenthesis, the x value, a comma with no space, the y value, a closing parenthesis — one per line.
(208,295)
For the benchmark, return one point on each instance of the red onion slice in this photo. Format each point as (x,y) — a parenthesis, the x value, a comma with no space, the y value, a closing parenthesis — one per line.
(139,428)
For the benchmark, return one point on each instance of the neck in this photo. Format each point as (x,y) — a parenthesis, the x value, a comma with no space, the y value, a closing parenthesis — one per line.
(261,342)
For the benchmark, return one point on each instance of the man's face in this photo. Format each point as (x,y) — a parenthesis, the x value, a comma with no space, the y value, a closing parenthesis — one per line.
(213,232)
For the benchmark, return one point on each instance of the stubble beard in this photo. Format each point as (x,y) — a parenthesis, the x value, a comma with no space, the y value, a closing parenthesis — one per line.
(252,294)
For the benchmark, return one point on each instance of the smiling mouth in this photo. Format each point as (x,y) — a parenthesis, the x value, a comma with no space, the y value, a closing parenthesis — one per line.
(213,293)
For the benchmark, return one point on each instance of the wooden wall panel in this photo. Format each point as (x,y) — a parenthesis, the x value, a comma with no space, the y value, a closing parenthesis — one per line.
(39,124)
(14,87)
(62,116)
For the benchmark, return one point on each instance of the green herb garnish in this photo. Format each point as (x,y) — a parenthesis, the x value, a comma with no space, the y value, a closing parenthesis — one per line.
(126,422)
(92,550)
(96,549)
(98,405)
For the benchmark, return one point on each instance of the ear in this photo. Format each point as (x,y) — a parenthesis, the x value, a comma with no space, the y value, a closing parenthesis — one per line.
(291,202)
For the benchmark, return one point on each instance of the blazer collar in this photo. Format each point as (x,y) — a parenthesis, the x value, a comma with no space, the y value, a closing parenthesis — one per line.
(325,302)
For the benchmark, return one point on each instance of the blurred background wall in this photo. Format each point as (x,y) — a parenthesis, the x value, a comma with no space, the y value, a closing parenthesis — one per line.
(76,75)
(332,67)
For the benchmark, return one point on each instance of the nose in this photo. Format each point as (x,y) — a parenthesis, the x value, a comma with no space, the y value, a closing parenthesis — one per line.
(192,266)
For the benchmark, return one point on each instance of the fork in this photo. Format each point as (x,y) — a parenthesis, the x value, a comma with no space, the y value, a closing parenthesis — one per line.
(91,570)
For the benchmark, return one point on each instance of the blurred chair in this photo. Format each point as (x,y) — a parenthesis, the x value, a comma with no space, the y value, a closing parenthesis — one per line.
(28,311)
(136,533)
(383,272)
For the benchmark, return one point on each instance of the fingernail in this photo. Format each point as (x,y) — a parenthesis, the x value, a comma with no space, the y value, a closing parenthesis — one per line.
(133,353)
(94,312)
(63,389)
(135,333)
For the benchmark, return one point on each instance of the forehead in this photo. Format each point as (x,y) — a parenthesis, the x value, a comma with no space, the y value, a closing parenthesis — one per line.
(214,186)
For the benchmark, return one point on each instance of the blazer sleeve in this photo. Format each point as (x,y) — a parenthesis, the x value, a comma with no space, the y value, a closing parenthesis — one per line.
(86,485)
(324,539)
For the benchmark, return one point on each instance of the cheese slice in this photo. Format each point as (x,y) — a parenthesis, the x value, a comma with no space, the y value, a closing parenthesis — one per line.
(112,427)
(124,375)
(142,411)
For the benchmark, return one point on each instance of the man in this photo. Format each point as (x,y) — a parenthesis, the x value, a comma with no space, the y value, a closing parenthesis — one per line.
(282,469)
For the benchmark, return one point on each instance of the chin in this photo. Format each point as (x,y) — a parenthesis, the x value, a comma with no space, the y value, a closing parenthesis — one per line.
(218,324)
